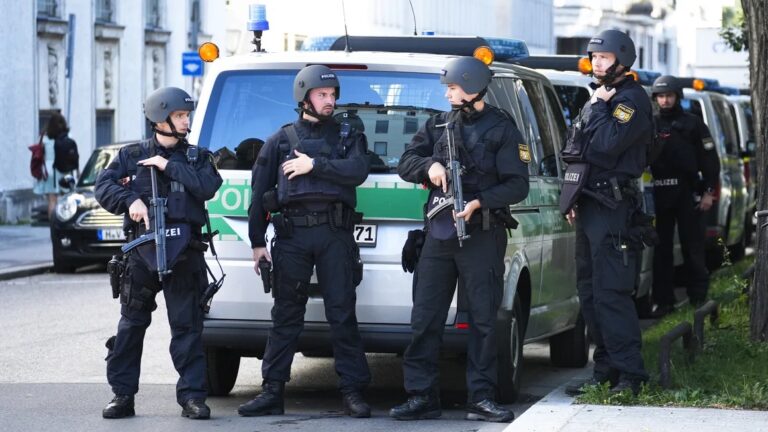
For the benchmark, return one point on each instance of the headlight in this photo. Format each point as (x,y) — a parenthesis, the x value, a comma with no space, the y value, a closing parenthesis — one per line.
(66,208)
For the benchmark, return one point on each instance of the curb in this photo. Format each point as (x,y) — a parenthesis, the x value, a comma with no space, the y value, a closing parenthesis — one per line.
(25,270)
(550,414)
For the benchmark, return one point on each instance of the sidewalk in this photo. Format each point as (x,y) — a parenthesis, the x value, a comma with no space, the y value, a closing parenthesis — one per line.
(557,413)
(24,250)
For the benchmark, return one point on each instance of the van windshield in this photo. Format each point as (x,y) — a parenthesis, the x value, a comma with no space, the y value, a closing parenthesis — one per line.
(246,107)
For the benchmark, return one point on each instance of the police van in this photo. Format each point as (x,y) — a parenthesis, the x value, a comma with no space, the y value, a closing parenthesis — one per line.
(392,85)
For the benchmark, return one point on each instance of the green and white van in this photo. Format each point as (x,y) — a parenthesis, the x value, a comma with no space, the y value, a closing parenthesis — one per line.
(393,93)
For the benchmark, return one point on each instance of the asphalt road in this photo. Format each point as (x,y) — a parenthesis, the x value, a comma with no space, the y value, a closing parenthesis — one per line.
(52,333)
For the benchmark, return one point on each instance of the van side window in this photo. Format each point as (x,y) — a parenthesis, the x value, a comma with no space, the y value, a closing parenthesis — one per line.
(728,124)
(544,139)
(572,99)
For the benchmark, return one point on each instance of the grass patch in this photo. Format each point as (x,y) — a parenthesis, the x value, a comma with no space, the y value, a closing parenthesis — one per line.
(730,372)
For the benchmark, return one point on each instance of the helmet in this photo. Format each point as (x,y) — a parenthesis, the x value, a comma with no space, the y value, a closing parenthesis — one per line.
(615,42)
(163,101)
(666,84)
(312,77)
(469,73)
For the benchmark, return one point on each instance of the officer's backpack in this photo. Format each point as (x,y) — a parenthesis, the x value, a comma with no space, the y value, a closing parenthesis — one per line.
(66,157)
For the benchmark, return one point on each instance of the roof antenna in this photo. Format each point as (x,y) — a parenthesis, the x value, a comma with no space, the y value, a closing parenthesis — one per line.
(414,18)
(346,34)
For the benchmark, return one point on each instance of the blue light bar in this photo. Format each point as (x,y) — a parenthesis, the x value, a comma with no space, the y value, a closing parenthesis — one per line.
(318,43)
(647,77)
(508,49)
(257,14)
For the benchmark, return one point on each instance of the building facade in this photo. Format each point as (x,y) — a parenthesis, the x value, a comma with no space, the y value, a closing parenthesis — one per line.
(93,61)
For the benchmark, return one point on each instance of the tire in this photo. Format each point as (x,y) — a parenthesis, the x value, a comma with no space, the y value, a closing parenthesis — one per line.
(61,264)
(570,348)
(221,370)
(510,333)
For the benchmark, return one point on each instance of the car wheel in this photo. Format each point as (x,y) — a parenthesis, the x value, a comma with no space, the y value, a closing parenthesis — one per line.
(61,264)
(510,333)
(222,367)
(570,348)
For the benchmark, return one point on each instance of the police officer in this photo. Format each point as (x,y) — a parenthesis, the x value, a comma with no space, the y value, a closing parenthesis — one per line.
(187,177)
(495,159)
(315,164)
(607,150)
(684,177)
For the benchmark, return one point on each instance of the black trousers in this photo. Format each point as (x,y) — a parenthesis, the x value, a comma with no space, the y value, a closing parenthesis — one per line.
(690,227)
(605,282)
(480,264)
(182,291)
(331,253)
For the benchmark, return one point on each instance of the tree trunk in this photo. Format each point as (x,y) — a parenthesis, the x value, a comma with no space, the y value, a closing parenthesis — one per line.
(756,15)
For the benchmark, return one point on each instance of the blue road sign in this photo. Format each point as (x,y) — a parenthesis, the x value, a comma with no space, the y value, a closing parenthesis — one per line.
(191,64)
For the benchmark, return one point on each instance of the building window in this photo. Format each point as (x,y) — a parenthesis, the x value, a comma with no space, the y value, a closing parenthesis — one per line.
(382,126)
(105,125)
(663,52)
(573,45)
(154,14)
(380,148)
(49,8)
(411,126)
(105,11)
(641,57)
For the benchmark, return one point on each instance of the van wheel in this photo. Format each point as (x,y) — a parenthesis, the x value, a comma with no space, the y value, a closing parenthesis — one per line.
(61,264)
(510,333)
(221,370)
(570,348)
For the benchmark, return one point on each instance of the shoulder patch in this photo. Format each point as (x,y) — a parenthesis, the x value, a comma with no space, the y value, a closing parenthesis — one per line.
(524,152)
(623,113)
(709,143)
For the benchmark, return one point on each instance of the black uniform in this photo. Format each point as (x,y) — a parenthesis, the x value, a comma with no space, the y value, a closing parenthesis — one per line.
(616,135)
(687,166)
(188,181)
(495,157)
(314,229)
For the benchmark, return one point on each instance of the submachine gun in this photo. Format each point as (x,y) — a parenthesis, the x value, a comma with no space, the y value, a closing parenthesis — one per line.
(158,206)
(456,191)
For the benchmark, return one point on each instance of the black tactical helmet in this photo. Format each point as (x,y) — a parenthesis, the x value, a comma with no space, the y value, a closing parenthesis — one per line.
(616,42)
(163,101)
(667,84)
(312,77)
(469,73)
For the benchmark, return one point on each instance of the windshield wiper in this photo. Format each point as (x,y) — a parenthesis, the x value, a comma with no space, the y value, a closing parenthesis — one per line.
(391,107)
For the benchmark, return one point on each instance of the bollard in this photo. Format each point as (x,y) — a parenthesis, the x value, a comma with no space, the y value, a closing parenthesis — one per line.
(710,308)
(683,330)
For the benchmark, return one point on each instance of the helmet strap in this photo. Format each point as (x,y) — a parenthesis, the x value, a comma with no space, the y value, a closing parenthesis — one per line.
(610,74)
(469,106)
(312,112)
(172,134)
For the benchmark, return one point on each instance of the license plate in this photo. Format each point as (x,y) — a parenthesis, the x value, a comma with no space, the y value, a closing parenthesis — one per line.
(365,235)
(111,234)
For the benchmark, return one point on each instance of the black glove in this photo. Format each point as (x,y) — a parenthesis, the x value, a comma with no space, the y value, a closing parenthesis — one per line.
(412,250)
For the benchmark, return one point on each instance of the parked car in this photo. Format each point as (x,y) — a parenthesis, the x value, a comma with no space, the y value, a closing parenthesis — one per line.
(742,112)
(82,232)
(392,84)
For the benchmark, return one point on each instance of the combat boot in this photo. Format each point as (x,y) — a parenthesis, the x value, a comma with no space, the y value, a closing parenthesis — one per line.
(196,409)
(417,407)
(627,384)
(268,402)
(578,387)
(355,406)
(120,406)
(487,410)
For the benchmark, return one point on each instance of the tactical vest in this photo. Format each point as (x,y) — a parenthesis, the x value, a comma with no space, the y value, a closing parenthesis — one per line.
(182,206)
(307,188)
(477,145)
(574,154)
